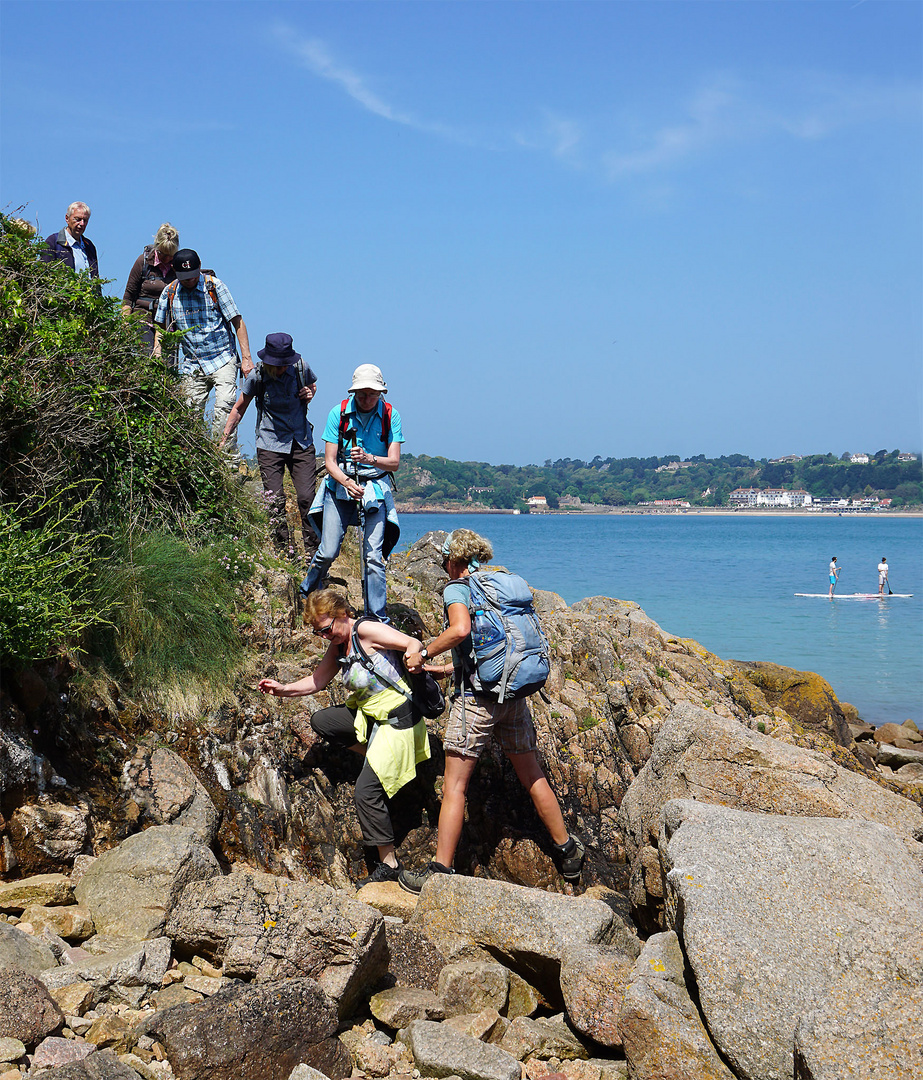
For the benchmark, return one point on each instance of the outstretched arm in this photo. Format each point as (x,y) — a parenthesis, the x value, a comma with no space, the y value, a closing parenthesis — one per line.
(310,684)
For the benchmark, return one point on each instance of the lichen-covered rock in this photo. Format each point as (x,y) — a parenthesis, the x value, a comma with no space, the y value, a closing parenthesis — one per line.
(71,921)
(255,1032)
(400,1005)
(473,986)
(545,1038)
(876,1035)
(440,1050)
(659,1026)
(413,960)
(127,975)
(804,695)
(593,980)
(98,1065)
(42,889)
(268,928)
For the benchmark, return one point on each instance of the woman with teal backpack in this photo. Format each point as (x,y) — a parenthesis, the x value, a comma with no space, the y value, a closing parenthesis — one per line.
(477,716)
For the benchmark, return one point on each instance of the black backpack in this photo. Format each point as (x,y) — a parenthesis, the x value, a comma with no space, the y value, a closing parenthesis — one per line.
(426,697)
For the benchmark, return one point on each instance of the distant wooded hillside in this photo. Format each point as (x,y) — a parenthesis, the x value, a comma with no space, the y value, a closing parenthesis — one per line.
(629,481)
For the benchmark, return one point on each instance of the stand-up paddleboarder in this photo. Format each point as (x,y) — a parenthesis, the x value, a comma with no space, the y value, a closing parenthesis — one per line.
(834,575)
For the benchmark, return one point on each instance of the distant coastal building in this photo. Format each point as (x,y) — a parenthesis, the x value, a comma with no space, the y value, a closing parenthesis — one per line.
(538,502)
(858,459)
(789,459)
(672,466)
(777,497)
(906,457)
(666,502)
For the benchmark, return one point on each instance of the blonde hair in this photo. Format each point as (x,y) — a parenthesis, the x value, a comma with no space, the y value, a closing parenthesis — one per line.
(166,240)
(463,545)
(324,603)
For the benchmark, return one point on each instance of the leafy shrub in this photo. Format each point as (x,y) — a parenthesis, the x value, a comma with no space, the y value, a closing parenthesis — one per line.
(44,576)
(118,515)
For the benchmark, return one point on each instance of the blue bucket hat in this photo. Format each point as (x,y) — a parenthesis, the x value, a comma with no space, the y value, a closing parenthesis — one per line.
(278,351)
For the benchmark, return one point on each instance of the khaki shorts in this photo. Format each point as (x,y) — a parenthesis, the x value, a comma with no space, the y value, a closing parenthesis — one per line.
(511,722)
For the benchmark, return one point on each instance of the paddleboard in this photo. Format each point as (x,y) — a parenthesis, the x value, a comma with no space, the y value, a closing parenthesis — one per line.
(859,595)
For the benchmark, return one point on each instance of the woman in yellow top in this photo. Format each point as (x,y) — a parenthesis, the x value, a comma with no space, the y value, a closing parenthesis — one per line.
(377,720)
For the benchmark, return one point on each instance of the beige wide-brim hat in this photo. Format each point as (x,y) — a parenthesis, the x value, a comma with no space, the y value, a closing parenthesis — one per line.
(368,377)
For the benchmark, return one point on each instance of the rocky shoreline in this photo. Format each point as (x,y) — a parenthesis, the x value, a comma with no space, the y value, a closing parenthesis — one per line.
(177,896)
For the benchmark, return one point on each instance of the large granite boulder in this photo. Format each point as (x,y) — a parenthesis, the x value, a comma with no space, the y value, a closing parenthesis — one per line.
(267,928)
(257,1032)
(659,1026)
(593,980)
(168,792)
(131,889)
(27,1010)
(785,920)
(527,930)
(701,755)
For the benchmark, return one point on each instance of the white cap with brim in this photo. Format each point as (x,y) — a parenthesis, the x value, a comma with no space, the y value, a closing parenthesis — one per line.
(368,377)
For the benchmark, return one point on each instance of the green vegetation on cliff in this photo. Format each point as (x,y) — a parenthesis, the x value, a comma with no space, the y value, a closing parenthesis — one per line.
(701,481)
(117,513)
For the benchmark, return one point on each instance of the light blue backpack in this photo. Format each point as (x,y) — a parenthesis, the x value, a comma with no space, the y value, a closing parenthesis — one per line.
(511,652)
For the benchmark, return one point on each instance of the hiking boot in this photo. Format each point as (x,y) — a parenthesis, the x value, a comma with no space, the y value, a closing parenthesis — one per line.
(414,880)
(382,872)
(568,858)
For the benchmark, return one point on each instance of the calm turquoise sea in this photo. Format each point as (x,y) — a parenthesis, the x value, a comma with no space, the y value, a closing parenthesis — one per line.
(729,582)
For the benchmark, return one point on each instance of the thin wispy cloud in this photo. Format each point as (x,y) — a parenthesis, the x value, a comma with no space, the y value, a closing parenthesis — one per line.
(314,54)
(729,112)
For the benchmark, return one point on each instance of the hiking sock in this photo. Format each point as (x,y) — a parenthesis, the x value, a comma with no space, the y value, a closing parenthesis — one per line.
(567,848)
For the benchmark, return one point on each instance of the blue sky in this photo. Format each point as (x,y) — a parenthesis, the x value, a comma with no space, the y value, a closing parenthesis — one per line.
(560,229)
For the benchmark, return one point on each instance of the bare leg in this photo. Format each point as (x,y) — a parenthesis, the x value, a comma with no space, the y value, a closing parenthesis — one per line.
(533,779)
(458,771)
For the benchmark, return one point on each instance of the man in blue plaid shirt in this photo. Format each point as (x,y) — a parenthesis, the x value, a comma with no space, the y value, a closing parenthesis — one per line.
(203,306)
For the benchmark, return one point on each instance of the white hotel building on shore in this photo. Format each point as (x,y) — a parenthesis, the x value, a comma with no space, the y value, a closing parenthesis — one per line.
(769,497)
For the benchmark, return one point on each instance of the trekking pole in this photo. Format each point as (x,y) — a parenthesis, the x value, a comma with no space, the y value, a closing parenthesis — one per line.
(360,513)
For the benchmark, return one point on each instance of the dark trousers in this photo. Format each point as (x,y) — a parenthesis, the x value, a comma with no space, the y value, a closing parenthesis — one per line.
(338,726)
(302,465)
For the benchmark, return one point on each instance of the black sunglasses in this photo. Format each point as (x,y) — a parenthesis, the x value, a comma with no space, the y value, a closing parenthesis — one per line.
(323,631)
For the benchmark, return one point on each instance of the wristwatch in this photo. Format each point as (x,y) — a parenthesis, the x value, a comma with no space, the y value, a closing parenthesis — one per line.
(424,652)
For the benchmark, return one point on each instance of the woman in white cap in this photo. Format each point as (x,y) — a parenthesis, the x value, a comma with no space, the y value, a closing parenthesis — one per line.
(362,449)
